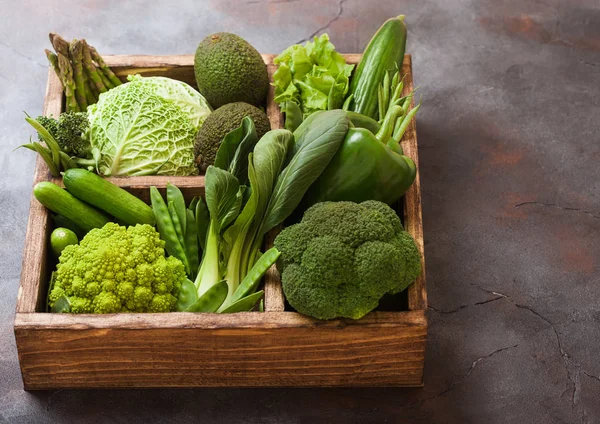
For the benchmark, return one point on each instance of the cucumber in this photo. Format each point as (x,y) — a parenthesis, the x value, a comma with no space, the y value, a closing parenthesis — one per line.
(385,52)
(61,221)
(61,238)
(103,194)
(64,203)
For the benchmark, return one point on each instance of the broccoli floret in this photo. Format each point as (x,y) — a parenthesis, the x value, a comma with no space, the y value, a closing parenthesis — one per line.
(69,131)
(118,269)
(343,257)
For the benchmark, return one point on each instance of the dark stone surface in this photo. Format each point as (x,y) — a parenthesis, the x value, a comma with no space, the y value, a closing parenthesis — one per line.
(509,147)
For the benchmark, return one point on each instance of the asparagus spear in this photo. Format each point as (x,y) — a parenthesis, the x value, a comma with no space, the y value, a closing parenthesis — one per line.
(91,69)
(53,59)
(60,44)
(76,53)
(89,93)
(69,84)
(105,79)
(91,85)
(104,67)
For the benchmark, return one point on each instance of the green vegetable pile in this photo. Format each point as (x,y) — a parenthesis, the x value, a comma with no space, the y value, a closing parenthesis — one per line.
(252,188)
(325,181)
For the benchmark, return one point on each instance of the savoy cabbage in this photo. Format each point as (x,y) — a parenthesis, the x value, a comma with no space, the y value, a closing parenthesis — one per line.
(147,127)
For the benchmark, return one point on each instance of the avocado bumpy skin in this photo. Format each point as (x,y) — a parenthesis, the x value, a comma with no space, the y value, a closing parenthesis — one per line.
(117,269)
(343,257)
(221,122)
(228,69)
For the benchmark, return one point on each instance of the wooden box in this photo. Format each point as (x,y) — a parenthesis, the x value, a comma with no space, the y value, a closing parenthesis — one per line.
(276,347)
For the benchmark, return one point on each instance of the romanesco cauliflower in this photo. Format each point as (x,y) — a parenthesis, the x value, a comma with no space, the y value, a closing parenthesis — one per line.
(117,269)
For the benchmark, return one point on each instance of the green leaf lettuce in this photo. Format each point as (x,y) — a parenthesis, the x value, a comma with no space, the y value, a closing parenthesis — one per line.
(314,76)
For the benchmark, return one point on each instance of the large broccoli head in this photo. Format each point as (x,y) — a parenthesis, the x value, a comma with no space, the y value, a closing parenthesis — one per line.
(343,257)
(117,269)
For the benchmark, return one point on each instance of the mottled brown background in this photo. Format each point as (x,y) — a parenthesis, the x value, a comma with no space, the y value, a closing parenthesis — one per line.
(509,147)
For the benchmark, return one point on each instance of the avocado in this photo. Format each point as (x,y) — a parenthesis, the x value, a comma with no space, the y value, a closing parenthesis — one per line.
(228,69)
(220,123)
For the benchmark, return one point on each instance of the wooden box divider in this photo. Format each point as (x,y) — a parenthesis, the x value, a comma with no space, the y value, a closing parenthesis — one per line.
(272,348)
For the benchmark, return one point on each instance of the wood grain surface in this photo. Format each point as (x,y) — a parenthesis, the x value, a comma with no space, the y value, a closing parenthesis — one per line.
(246,349)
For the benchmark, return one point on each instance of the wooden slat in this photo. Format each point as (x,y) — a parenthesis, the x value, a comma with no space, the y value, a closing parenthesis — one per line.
(274,300)
(273,112)
(190,350)
(190,320)
(179,67)
(33,268)
(153,61)
(413,219)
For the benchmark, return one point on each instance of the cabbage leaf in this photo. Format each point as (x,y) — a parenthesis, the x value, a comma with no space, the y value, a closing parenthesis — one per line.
(139,132)
(183,95)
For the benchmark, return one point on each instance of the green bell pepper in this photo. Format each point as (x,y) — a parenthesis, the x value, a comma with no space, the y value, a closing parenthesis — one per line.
(363,168)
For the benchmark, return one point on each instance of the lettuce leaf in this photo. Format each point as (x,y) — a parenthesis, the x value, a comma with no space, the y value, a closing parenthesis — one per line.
(314,76)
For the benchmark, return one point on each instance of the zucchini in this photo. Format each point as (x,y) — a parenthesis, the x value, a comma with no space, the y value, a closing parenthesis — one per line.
(64,203)
(108,197)
(385,52)
(61,221)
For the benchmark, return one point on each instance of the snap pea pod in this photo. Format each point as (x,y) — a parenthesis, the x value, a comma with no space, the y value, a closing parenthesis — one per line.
(406,103)
(397,93)
(176,223)
(174,195)
(395,80)
(211,300)
(202,221)
(387,126)
(50,142)
(166,228)
(245,304)
(293,115)
(251,280)
(191,242)
(386,93)
(399,132)
(380,103)
(347,102)
(193,203)
(187,296)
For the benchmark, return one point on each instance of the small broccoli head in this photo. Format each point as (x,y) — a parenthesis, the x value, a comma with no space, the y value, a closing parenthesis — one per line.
(117,269)
(50,124)
(69,130)
(343,257)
